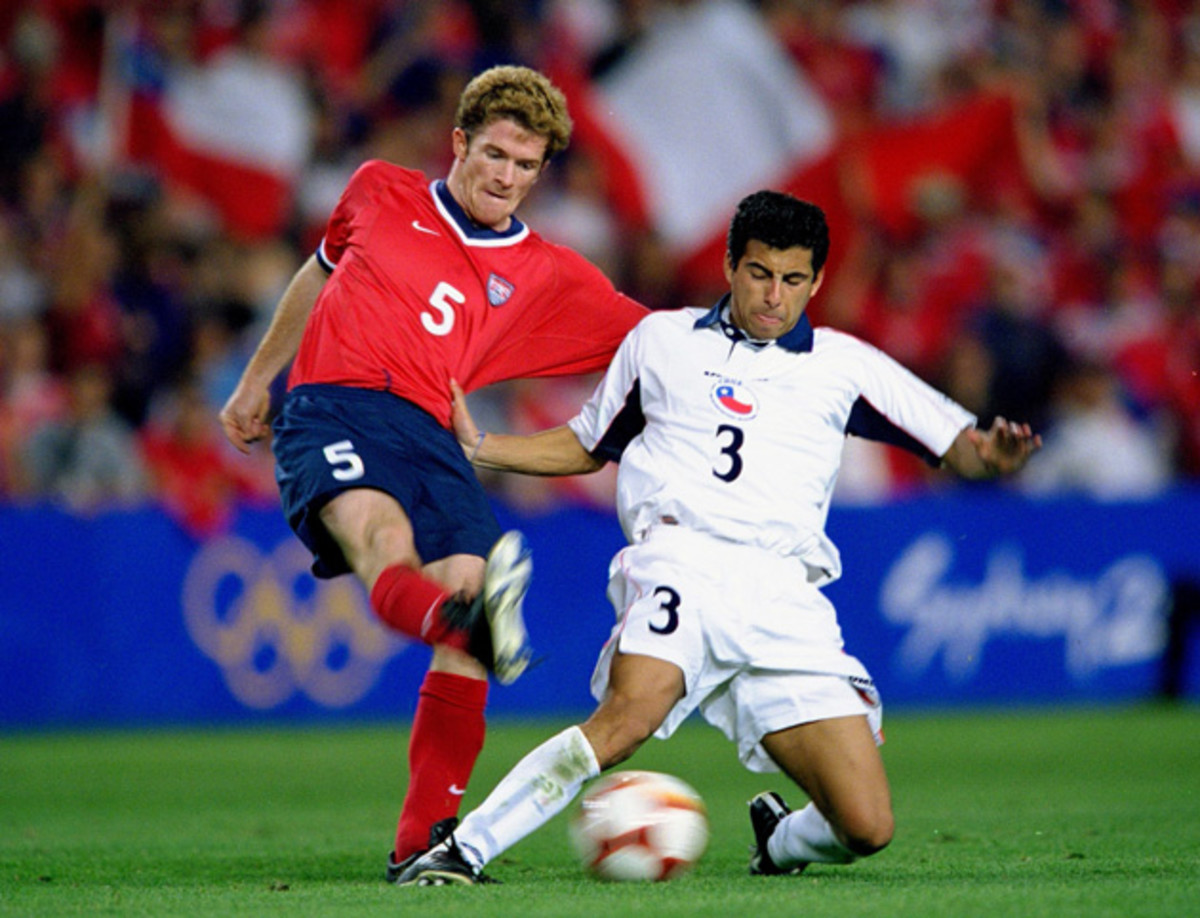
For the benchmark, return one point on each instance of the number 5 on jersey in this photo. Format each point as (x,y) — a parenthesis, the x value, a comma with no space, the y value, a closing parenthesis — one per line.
(443,299)
(347,464)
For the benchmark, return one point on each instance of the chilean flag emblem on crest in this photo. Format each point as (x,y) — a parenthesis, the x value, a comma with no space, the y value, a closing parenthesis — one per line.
(735,400)
(498,290)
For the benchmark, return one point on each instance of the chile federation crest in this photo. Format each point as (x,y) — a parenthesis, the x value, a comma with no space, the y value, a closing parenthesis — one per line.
(735,400)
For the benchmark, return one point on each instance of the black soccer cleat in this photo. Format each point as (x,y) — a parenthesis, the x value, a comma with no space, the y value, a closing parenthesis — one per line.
(443,865)
(438,833)
(767,811)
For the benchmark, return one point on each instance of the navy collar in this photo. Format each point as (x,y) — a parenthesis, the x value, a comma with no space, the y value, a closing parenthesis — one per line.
(468,227)
(799,340)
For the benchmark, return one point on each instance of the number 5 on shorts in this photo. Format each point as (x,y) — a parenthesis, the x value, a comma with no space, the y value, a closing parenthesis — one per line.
(347,464)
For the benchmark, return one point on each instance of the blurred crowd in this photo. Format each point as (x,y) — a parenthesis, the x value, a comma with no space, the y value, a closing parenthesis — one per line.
(131,293)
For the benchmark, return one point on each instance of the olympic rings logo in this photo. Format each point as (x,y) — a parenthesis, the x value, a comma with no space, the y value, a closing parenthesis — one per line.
(275,630)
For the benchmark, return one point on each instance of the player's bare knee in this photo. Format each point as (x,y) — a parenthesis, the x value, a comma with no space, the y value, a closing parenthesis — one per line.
(369,542)
(388,545)
(867,833)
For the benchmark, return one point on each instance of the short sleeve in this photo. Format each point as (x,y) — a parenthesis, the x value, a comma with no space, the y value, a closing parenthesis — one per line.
(359,194)
(613,415)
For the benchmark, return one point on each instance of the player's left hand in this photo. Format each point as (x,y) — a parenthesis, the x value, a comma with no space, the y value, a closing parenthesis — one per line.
(1006,446)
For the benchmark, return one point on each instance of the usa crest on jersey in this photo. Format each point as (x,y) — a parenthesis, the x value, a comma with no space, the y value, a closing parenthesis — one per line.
(498,290)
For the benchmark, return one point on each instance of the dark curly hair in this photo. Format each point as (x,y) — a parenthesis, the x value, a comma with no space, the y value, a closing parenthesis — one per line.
(781,222)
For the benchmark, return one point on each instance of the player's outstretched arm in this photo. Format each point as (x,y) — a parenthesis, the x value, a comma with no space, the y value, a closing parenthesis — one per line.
(244,417)
(1002,449)
(556,451)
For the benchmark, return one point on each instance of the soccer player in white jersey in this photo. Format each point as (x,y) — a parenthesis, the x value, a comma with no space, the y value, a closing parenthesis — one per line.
(729,425)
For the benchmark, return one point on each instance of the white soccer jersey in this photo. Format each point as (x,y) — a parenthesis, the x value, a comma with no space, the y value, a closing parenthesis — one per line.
(742,439)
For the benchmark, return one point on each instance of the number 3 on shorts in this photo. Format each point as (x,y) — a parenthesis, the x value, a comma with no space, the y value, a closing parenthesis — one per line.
(669,605)
(347,464)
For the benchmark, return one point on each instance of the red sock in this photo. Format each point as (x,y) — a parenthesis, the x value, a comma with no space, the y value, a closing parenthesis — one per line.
(447,735)
(411,603)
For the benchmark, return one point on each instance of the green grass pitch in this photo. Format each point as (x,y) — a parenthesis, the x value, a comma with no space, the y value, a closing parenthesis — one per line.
(1090,812)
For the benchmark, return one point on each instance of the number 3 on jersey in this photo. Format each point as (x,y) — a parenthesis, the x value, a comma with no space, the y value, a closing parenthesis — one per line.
(443,299)
(730,449)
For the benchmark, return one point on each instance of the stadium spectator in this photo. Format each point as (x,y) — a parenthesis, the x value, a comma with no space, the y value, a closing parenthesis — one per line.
(1105,102)
(88,459)
(846,72)
(1020,353)
(23,290)
(416,283)
(1087,408)
(718,595)
(28,116)
(150,291)
(572,210)
(531,405)
(30,396)
(188,469)
(84,316)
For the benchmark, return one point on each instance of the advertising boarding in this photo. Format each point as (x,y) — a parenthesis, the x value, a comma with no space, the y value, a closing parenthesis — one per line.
(964,599)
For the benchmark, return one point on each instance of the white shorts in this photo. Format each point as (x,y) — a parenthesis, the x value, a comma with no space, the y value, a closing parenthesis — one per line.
(758,644)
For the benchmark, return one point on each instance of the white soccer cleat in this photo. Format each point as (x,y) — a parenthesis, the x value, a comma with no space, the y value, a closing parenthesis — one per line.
(505,582)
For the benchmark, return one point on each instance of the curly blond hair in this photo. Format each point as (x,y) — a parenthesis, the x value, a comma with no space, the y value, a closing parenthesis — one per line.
(521,94)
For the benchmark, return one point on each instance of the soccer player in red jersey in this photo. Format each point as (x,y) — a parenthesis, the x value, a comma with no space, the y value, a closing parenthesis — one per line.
(417,283)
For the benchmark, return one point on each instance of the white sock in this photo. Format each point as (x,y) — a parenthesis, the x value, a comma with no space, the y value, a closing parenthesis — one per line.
(805,837)
(537,788)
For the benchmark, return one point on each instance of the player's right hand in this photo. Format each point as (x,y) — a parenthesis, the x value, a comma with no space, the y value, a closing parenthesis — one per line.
(244,417)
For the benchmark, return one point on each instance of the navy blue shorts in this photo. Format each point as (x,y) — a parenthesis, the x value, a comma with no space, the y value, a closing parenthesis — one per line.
(328,439)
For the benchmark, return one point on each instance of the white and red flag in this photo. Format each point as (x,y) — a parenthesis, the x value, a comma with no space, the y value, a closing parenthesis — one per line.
(708,106)
(234,129)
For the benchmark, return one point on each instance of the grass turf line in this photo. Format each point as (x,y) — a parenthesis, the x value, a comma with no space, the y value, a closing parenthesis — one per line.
(1079,812)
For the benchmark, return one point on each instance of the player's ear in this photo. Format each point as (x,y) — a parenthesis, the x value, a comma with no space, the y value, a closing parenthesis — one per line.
(459,143)
(729,266)
(820,279)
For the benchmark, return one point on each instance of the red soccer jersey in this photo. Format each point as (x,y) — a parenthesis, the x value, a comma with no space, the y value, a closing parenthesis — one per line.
(419,295)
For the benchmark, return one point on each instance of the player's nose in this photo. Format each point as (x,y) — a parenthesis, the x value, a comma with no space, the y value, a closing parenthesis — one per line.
(774,292)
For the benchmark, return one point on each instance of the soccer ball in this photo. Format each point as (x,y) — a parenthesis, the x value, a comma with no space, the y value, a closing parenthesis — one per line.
(639,825)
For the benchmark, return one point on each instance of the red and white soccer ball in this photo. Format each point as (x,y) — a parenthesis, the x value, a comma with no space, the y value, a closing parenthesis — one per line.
(639,825)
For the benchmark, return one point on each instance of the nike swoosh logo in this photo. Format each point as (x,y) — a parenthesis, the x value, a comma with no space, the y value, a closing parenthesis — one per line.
(416,224)
(457,791)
